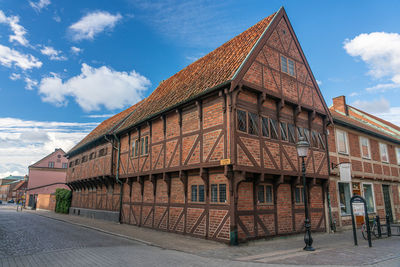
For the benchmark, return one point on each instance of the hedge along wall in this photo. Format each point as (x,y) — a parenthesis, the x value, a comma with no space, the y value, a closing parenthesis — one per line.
(63,200)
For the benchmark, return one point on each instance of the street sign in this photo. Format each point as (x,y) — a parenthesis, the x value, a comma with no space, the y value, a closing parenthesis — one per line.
(225,162)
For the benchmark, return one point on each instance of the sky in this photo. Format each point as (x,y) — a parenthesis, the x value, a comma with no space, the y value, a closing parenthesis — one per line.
(65,66)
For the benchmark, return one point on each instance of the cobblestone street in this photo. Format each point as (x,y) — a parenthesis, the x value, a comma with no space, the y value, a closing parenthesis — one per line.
(56,240)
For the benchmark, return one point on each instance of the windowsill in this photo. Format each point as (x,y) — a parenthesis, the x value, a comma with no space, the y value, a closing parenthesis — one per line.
(386,162)
(218,203)
(367,158)
(197,202)
(265,204)
(343,153)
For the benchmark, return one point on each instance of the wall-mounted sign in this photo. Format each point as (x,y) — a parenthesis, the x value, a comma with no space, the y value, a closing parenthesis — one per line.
(345,172)
(225,161)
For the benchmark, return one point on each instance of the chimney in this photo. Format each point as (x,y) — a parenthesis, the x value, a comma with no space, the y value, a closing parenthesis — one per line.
(339,104)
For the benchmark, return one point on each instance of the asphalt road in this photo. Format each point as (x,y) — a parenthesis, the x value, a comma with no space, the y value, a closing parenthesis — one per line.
(30,240)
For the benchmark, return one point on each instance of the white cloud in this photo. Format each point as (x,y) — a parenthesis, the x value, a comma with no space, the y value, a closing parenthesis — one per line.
(40,4)
(19,31)
(15,76)
(52,53)
(319,82)
(381,52)
(92,24)
(10,57)
(95,116)
(30,83)
(76,50)
(354,94)
(95,87)
(375,106)
(23,142)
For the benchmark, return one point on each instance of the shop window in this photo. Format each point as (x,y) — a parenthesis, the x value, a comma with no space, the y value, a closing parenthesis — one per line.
(264,194)
(253,123)
(291,133)
(284,135)
(384,152)
(299,194)
(344,197)
(342,143)
(369,197)
(241,120)
(274,129)
(218,193)
(265,126)
(197,193)
(51,164)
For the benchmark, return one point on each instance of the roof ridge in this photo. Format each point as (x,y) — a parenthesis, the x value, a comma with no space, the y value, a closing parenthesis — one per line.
(377,118)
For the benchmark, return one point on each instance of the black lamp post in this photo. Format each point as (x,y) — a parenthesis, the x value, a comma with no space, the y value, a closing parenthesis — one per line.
(302,151)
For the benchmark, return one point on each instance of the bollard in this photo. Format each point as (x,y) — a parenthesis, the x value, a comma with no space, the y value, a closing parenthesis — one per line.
(378,224)
(389,231)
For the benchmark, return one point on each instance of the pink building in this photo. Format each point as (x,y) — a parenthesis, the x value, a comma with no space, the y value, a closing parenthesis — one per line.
(46,175)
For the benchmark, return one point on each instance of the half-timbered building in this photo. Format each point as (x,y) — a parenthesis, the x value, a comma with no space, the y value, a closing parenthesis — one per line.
(211,152)
(371,148)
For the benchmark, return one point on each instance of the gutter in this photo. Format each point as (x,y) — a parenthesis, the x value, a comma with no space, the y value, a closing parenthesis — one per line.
(357,128)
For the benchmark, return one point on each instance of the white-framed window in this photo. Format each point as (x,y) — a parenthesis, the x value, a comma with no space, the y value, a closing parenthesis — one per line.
(365,150)
(342,143)
(398,155)
(344,198)
(368,192)
(51,164)
(384,152)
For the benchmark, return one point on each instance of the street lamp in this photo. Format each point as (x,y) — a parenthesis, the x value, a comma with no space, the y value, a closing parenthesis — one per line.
(302,150)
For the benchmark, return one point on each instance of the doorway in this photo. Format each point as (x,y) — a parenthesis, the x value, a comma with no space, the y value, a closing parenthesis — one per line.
(386,200)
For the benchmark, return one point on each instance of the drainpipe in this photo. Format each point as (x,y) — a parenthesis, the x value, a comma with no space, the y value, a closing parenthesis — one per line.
(332,223)
(117,178)
(118,148)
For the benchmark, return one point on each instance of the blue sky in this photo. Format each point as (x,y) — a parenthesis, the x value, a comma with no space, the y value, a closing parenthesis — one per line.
(67,65)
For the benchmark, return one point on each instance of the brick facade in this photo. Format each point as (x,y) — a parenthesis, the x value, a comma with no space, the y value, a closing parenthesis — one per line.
(192,170)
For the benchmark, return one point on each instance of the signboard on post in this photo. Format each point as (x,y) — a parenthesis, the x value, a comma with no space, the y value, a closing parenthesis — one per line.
(345,172)
(358,209)
(355,203)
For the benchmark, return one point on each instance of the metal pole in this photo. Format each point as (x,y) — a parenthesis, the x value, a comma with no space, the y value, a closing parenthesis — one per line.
(367,224)
(389,230)
(378,224)
(307,236)
(353,223)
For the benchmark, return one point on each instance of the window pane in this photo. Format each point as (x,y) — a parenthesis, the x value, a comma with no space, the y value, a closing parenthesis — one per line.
(291,67)
(141,146)
(136,147)
(284,64)
(201,193)
(194,193)
(384,154)
(297,195)
(291,133)
(241,119)
(214,193)
(253,123)
(268,194)
(222,193)
(344,196)
(274,129)
(307,134)
(265,127)
(321,141)
(398,155)
(364,147)
(146,145)
(341,138)
(284,131)
(260,193)
(369,197)
(314,139)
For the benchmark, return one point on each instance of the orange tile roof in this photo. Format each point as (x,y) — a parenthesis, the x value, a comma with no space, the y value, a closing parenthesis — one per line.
(105,127)
(215,68)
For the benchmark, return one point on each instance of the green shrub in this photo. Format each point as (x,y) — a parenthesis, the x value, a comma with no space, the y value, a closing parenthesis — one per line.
(63,200)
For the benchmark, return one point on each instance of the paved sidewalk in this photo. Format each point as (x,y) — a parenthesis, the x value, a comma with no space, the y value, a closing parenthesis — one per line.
(331,249)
